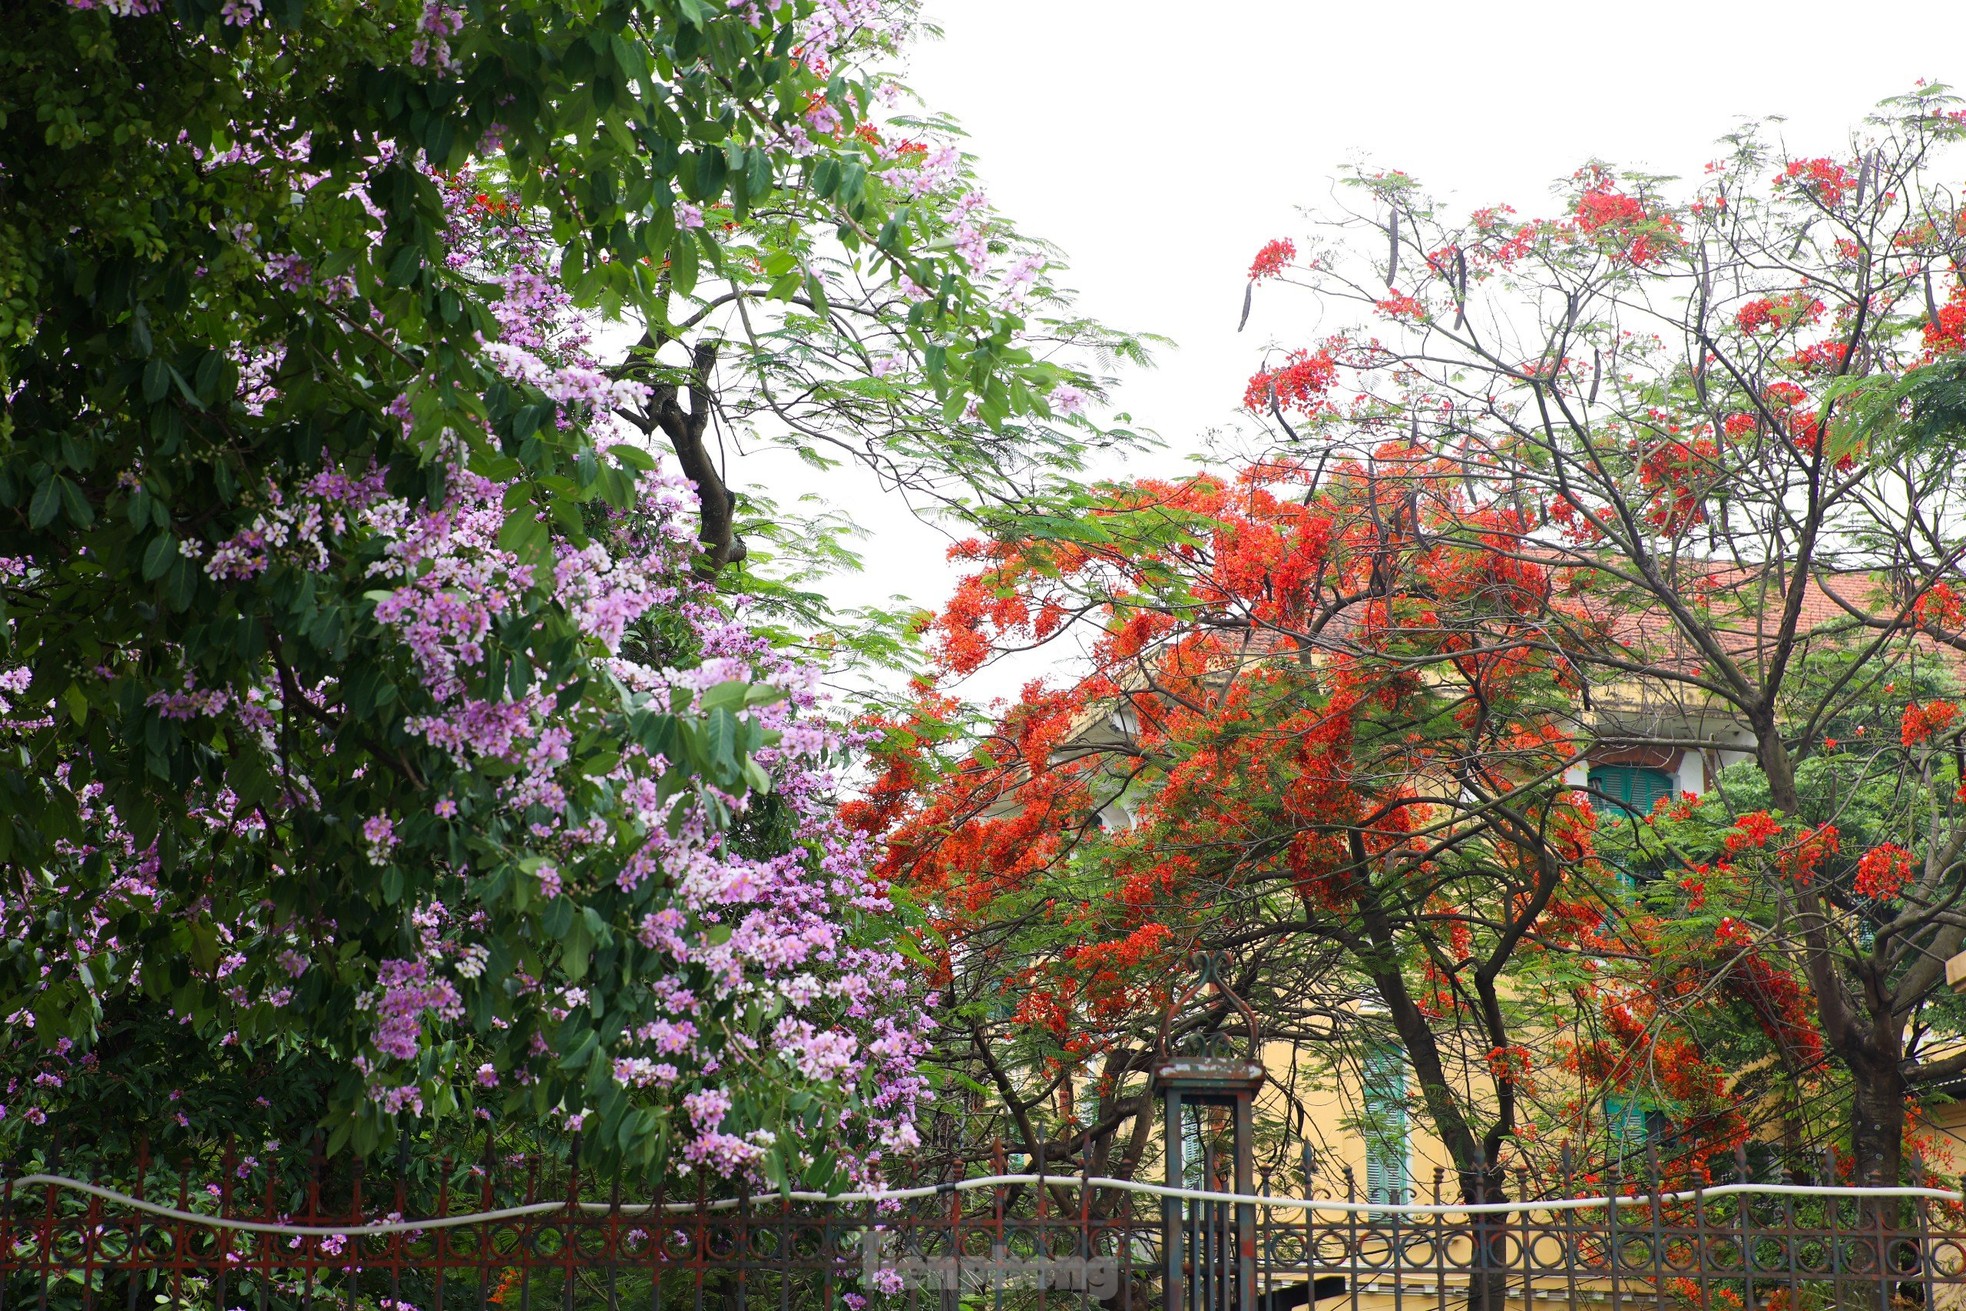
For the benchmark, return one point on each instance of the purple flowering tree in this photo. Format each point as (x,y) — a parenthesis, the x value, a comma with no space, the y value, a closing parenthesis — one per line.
(379,750)
(595,875)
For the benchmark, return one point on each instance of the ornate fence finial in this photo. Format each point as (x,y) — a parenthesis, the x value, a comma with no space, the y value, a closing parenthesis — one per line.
(1212,969)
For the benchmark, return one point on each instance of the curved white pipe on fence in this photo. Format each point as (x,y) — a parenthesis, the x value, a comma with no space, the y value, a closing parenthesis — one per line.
(968,1185)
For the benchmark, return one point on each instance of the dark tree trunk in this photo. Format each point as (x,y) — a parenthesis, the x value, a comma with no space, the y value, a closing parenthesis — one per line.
(687,429)
(1861,1023)
(1474,1157)
(1877,1119)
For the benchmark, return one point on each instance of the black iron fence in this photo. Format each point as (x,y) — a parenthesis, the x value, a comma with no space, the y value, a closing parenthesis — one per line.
(518,1235)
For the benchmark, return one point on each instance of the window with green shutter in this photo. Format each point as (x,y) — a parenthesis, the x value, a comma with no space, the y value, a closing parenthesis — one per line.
(1387,1178)
(1632,1124)
(1632,787)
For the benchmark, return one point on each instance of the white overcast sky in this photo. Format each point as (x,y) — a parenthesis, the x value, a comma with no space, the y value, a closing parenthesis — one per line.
(1160,144)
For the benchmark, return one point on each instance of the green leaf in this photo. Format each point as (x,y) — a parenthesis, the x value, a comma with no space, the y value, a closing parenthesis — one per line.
(158,555)
(184,389)
(46,503)
(682,264)
(182,583)
(853,182)
(207,377)
(589,1042)
(576,949)
(720,739)
(825,175)
(633,456)
(525,536)
(710,170)
(559,912)
(730,695)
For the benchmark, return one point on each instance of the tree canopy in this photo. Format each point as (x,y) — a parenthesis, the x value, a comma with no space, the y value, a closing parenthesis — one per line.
(370,715)
(1671,473)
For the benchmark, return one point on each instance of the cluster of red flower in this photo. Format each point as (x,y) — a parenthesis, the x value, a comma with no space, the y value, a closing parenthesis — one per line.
(1273,259)
(1825,179)
(1790,310)
(1920,722)
(1946,333)
(1638,235)
(1300,384)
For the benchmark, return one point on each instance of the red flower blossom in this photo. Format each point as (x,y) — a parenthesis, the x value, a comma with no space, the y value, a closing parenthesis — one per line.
(1754,829)
(1678,474)
(1802,858)
(1273,259)
(1784,312)
(1605,208)
(1921,722)
(1399,305)
(1299,385)
(1947,334)
(1606,212)
(1883,872)
(1825,179)
(1823,357)
(1940,606)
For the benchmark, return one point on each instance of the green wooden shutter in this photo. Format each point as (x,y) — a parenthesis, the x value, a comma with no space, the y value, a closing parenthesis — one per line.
(1632,788)
(1631,1122)
(1387,1178)
(1625,1118)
